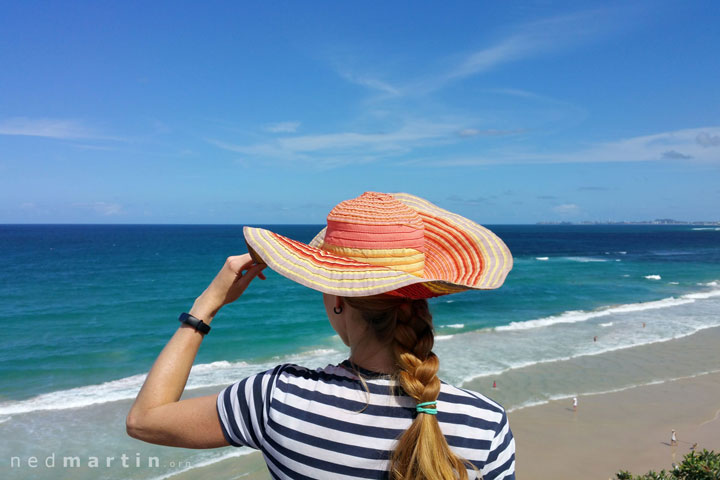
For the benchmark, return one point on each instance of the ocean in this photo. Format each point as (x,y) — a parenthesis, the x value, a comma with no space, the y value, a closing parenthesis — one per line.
(87,308)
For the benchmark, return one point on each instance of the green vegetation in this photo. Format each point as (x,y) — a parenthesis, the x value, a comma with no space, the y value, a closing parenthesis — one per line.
(695,466)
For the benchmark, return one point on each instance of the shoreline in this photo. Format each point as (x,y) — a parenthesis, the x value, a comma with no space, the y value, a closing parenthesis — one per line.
(604,373)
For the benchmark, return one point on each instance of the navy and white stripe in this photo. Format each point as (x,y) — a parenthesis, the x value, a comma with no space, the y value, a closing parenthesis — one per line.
(313,424)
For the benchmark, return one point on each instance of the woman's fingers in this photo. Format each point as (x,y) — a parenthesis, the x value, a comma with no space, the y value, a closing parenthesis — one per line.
(231,281)
(234,278)
(238,263)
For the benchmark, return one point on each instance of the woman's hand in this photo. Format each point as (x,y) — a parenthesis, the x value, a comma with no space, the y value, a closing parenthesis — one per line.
(230,282)
(158,415)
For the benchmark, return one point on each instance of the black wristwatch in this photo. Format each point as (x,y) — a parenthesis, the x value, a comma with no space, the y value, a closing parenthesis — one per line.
(194,322)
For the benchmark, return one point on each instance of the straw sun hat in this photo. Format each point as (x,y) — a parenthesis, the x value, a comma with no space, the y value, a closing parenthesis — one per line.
(397,244)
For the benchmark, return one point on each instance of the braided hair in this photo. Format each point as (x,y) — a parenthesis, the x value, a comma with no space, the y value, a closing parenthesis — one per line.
(421,452)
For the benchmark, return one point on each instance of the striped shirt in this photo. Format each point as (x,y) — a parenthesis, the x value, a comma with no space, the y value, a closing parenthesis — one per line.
(324,423)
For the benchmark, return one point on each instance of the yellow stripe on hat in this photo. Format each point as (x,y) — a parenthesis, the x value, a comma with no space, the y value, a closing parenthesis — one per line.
(404,259)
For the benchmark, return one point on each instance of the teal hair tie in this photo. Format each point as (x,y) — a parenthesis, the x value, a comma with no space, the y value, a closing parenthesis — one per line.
(431,411)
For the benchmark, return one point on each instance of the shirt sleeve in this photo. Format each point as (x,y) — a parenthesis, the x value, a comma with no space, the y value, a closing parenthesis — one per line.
(500,464)
(243,407)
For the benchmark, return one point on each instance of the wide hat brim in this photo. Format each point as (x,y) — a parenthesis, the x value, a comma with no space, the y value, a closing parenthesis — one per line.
(459,255)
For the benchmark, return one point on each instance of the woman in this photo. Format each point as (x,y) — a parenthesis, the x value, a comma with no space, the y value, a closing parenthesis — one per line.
(383,413)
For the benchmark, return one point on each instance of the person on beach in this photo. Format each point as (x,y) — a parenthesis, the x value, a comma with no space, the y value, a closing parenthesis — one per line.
(673,438)
(575,404)
(383,412)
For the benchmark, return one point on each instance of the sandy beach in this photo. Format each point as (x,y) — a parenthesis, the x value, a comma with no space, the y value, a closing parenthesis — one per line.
(627,430)
(621,430)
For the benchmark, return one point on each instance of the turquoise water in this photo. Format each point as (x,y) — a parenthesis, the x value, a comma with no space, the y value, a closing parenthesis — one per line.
(88,308)
(96,303)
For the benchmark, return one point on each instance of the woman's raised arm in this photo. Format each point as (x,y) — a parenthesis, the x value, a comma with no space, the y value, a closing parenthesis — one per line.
(158,415)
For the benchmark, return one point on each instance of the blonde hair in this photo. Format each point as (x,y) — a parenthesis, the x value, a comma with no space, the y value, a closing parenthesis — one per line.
(421,453)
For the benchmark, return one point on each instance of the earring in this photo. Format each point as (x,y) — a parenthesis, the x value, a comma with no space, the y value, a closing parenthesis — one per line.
(337,310)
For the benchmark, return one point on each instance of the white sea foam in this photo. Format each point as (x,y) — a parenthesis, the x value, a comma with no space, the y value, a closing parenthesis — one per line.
(571,316)
(542,258)
(527,404)
(574,316)
(600,351)
(205,375)
(674,283)
(717,229)
(584,259)
(455,325)
(703,295)
(443,337)
(608,324)
(622,253)
(653,277)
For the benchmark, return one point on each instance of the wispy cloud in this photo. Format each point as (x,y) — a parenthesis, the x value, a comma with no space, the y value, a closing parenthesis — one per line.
(531,39)
(359,145)
(369,82)
(65,129)
(674,155)
(567,209)
(474,132)
(706,139)
(677,145)
(593,189)
(405,121)
(102,208)
(475,201)
(282,127)
(528,40)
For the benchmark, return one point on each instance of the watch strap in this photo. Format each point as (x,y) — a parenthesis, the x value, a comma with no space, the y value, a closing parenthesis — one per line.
(194,322)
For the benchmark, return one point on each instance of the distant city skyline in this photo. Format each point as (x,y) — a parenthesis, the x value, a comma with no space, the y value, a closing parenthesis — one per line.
(229,113)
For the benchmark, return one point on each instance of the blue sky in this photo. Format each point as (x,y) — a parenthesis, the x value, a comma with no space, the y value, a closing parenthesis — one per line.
(272,112)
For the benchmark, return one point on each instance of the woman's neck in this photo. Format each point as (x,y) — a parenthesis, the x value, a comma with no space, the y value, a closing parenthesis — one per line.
(374,356)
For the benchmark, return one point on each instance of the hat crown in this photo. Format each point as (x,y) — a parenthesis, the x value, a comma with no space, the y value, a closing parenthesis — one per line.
(378,229)
(374,208)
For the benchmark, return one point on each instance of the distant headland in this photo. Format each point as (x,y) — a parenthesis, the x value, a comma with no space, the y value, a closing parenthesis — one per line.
(658,221)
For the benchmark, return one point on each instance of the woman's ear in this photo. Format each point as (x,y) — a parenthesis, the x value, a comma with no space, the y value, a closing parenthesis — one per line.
(335,308)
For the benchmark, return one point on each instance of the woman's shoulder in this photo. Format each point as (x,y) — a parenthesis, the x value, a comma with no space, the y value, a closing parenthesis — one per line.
(469,399)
